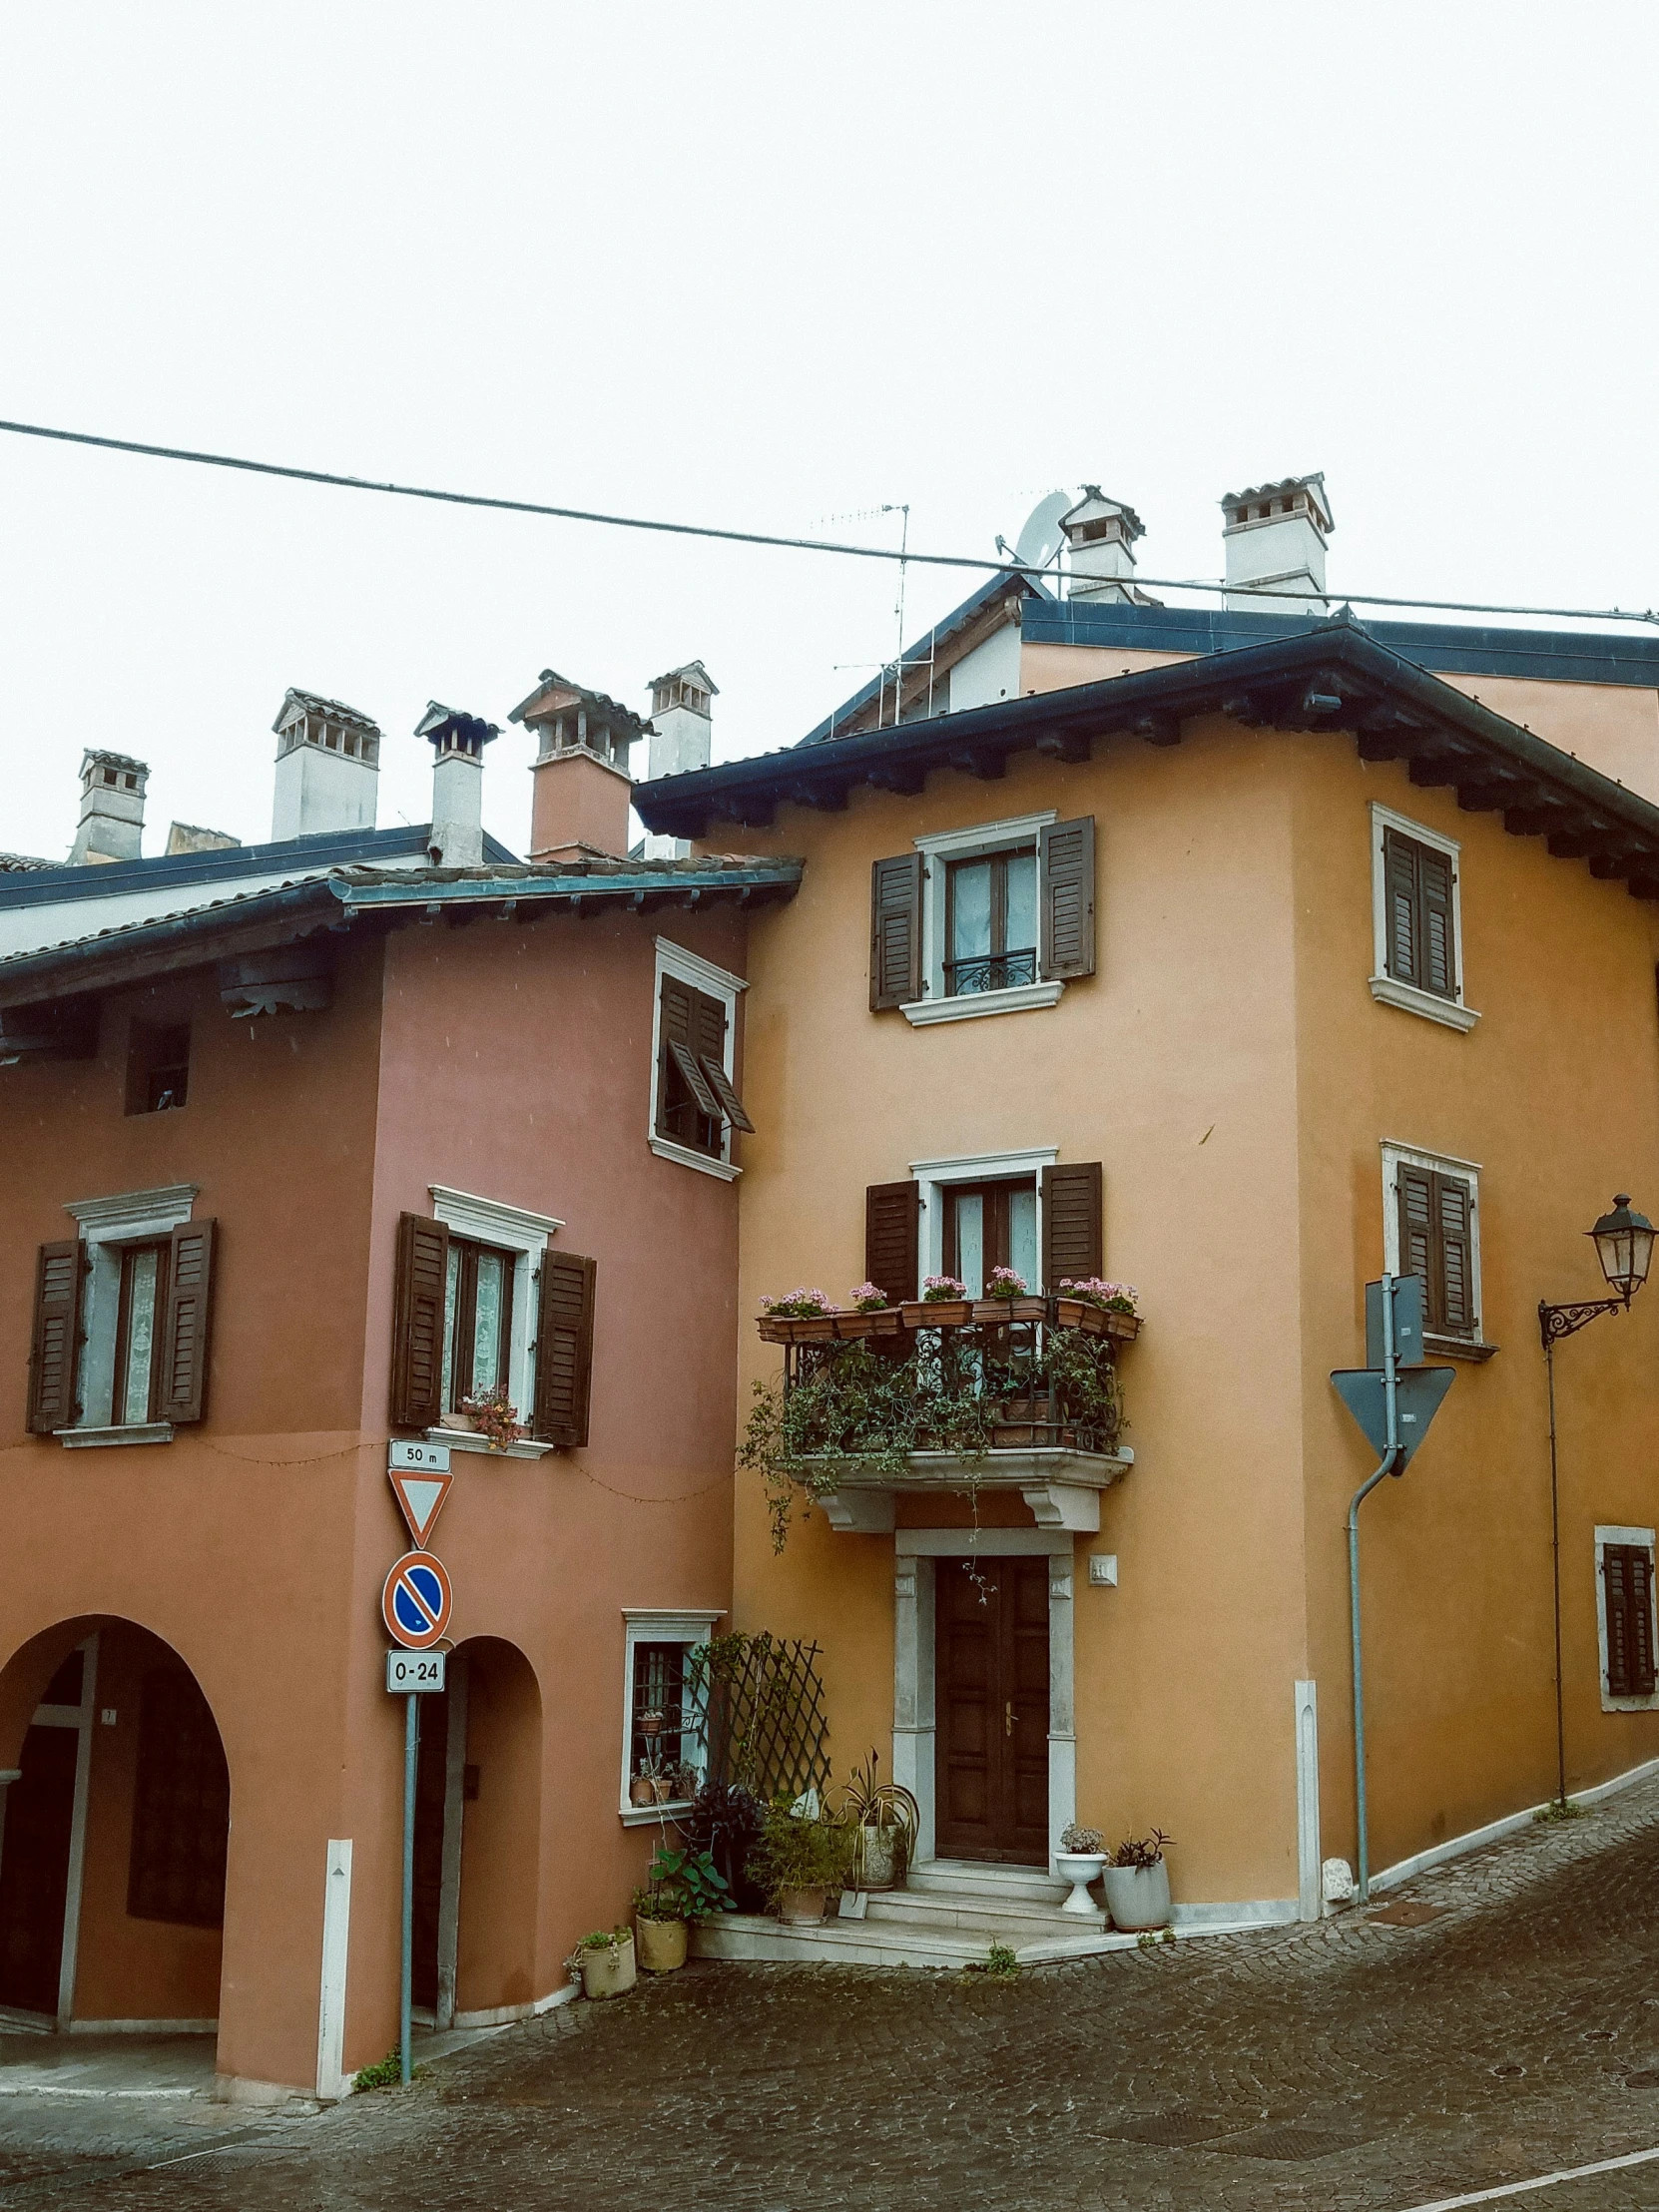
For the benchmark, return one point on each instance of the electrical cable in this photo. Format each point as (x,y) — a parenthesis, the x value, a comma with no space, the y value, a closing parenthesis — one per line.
(778,539)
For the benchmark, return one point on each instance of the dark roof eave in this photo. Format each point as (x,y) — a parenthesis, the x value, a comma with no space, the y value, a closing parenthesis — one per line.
(1394,709)
(182,941)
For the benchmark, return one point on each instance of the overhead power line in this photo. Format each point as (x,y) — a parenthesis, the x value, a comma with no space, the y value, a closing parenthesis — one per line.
(778,539)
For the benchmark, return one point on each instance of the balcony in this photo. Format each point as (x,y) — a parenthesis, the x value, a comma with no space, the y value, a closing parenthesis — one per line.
(944,1397)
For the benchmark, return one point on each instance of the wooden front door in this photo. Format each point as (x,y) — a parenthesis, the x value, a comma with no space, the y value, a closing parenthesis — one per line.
(34,1869)
(991,1761)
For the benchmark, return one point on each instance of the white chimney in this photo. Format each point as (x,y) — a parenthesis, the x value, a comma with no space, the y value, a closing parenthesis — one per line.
(458,742)
(328,767)
(1275,535)
(1101,533)
(112,809)
(682,736)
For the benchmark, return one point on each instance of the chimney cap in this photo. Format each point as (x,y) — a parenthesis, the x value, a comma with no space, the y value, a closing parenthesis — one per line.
(1270,496)
(554,694)
(295,701)
(114,764)
(694,672)
(447,728)
(1096,505)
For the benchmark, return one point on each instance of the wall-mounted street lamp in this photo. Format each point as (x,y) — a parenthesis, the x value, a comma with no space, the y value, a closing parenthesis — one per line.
(1624,1246)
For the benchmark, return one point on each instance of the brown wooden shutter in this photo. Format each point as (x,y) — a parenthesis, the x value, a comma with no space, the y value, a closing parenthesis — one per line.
(1418,1245)
(1437,964)
(185,1340)
(1065,868)
(1400,866)
(1640,1579)
(893,1225)
(1627,1578)
(564,1348)
(1457,1256)
(1073,1234)
(691,1070)
(730,1105)
(55,1343)
(677,1026)
(896,932)
(418,1296)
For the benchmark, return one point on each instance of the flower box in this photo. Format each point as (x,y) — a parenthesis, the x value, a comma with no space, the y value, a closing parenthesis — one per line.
(996,1312)
(888,1322)
(937,1313)
(797,1329)
(1032,1435)
(1096,1321)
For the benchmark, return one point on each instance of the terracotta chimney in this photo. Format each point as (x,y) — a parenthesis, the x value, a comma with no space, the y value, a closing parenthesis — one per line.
(579,809)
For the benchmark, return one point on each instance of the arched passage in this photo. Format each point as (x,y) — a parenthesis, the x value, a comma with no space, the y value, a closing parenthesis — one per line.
(478,1836)
(113,1832)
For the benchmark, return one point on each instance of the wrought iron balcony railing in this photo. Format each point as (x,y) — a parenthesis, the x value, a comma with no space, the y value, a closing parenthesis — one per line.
(991,971)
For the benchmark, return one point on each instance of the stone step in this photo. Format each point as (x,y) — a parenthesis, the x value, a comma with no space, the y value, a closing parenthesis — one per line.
(887,1942)
(982,1878)
(1014,1918)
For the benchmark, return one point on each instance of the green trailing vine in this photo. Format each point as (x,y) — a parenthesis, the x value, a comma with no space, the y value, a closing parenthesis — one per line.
(860,1412)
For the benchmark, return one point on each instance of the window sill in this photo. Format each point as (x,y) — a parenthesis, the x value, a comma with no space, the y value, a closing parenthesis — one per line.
(1459,1347)
(1610,1704)
(644,1816)
(1387,991)
(130,1433)
(467,1439)
(1023,998)
(666,1149)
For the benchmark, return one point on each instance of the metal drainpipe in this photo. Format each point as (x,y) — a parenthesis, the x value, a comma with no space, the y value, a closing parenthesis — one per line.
(1387,1467)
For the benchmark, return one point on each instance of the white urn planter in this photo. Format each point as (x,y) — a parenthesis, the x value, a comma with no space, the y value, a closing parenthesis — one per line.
(1138,1897)
(1079,1868)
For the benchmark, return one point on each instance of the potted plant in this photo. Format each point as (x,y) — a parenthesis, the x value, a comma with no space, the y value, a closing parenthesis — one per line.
(605,1961)
(1137,1883)
(800,1316)
(799,1860)
(943,1303)
(1098,1308)
(683,1887)
(1009,1298)
(495,1417)
(870,1314)
(882,1819)
(1079,1861)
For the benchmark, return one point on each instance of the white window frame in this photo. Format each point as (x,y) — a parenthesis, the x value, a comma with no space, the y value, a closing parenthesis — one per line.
(107,1226)
(936,852)
(1388,989)
(701,976)
(525,1235)
(1396,1156)
(1645,1538)
(653,1624)
(972,1167)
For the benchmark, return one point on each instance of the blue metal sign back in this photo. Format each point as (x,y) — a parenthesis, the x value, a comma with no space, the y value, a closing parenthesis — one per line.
(1420,1393)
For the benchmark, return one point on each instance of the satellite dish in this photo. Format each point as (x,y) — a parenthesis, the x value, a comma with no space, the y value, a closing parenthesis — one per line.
(1040,539)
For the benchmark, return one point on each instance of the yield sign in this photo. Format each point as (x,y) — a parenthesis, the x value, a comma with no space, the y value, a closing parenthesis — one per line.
(1420,1393)
(420,1498)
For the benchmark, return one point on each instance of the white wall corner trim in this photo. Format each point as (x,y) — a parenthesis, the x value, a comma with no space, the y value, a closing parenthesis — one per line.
(1307,1887)
(332,2082)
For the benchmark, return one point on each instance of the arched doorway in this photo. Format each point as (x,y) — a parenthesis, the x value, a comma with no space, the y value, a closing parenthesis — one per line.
(112,1834)
(477,1837)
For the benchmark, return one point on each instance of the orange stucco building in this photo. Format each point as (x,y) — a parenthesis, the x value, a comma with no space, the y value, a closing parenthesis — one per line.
(451,1052)
(1369,986)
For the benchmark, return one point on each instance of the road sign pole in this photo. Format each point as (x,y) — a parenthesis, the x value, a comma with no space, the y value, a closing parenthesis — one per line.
(1390,1456)
(411,1760)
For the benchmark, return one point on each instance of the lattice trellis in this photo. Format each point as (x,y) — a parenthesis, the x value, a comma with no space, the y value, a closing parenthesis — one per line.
(767,1729)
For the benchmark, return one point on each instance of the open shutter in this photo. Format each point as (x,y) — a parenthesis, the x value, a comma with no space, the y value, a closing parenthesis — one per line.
(1399,867)
(1417,1238)
(690,1068)
(189,1281)
(1437,965)
(1457,1256)
(55,1343)
(678,1027)
(731,1104)
(893,1224)
(1073,1234)
(1065,867)
(896,932)
(418,1295)
(564,1348)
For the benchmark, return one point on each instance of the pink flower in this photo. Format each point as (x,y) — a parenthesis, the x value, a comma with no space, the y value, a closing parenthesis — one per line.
(866,1298)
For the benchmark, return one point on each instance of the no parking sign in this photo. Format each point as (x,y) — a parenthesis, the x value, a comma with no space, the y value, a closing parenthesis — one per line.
(417,1601)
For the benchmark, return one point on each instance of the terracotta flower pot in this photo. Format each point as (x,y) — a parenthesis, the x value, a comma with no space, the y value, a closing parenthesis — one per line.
(937,1313)
(803,1904)
(639,1791)
(608,1972)
(662,1945)
(996,1312)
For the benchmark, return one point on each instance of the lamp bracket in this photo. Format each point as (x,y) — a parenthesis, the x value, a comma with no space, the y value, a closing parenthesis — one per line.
(1556,1322)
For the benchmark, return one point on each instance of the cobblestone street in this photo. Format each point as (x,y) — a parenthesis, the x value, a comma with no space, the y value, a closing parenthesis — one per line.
(1509,2030)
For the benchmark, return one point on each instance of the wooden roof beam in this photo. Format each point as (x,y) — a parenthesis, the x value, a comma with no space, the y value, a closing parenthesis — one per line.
(988,763)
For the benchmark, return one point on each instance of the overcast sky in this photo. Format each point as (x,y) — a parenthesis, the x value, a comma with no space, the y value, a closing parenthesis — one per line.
(772,267)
